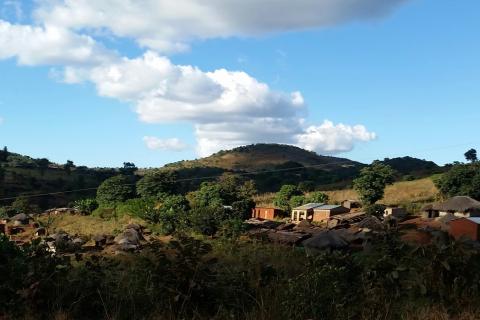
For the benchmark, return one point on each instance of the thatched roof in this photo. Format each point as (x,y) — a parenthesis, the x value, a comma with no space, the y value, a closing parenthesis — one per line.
(458,204)
(372,223)
(325,240)
(20,217)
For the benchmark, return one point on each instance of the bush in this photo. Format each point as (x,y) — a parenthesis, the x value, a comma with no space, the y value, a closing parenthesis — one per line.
(115,190)
(86,206)
(206,220)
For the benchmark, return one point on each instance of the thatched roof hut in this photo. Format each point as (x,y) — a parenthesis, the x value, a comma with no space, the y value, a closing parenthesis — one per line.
(327,240)
(459,204)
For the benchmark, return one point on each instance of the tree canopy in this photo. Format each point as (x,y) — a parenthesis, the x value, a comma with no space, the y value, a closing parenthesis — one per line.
(471,155)
(156,183)
(460,180)
(372,181)
(115,189)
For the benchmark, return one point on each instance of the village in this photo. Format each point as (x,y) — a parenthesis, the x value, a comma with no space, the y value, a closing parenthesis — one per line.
(317,226)
(314,226)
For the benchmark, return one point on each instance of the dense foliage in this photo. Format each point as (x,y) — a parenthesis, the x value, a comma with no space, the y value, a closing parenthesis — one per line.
(114,190)
(372,181)
(190,279)
(460,180)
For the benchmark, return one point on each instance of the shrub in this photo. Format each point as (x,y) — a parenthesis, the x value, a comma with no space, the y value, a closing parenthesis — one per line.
(114,190)
(86,206)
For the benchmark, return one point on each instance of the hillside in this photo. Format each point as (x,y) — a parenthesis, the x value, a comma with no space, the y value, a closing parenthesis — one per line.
(269,165)
(418,191)
(264,156)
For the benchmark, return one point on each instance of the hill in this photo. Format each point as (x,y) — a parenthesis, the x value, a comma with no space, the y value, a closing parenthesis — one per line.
(413,167)
(21,175)
(265,156)
(269,165)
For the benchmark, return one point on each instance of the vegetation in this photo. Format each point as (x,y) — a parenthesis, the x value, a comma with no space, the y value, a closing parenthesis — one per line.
(372,181)
(201,279)
(461,180)
(115,190)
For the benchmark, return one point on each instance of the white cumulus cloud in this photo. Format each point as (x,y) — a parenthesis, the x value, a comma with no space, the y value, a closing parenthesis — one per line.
(169,25)
(226,108)
(331,138)
(49,45)
(171,144)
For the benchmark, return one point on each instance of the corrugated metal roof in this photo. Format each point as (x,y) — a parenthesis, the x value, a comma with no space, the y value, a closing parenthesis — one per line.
(328,207)
(476,220)
(309,206)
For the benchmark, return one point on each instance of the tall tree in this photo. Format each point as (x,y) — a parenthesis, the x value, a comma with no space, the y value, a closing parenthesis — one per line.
(114,190)
(471,155)
(156,184)
(372,181)
(282,197)
(128,169)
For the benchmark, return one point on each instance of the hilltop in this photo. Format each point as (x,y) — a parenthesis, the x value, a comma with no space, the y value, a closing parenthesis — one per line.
(264,156)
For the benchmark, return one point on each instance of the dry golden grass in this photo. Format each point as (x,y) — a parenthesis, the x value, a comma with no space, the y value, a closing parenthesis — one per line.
(86,225)
(422,190)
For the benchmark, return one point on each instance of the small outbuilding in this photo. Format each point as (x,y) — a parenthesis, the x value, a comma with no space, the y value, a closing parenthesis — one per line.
(317,212)
(305,212)
(465,228)
(351,204)
(267,213)
(325,212)
(398,213)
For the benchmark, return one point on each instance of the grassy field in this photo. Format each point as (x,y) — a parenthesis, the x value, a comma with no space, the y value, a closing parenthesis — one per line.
(87,225)
(417,191)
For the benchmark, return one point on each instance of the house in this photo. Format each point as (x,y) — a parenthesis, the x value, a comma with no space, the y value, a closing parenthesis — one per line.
(323,213)
(398,213)
(465,227)
(267,213)
(428,212)
(351,204)
(317,212)
(305,212)
(461,206)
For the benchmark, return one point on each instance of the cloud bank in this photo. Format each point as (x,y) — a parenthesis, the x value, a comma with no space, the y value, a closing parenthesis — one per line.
(226,108)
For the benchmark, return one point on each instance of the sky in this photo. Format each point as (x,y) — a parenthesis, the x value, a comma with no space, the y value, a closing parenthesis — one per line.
(156,81)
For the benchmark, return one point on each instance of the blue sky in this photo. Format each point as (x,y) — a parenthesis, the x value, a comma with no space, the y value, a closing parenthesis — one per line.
(409,76)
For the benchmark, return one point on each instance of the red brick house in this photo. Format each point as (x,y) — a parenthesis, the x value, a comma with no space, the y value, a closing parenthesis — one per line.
(266,213)
(465,227)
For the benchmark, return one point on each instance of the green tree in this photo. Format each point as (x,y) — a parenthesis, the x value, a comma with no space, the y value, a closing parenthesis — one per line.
(372,181)
(282,197)
(242,209)
(207,220)
(42,165)
(306,186)
(4,154)
(128,168)
(156,184)
(114,190)
(23,205)
(209,195)
(460,180)
(68,166)
(86,206)
(318,197)
(297,201)
(172,213)
(471,155)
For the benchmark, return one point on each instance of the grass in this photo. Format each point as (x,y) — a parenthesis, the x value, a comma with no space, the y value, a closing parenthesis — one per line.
(87,225)
(417,191)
